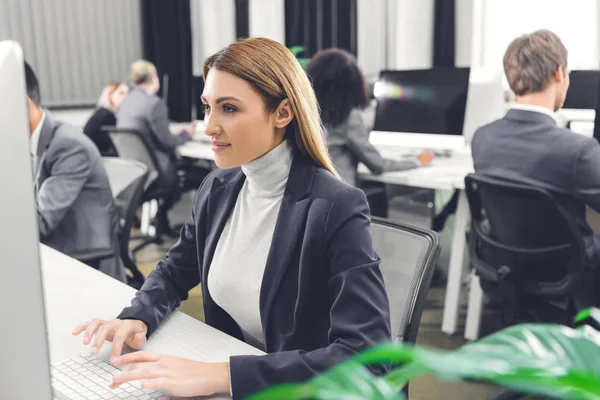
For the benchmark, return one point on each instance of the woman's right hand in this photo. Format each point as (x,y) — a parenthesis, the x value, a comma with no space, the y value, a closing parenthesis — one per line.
(118,331)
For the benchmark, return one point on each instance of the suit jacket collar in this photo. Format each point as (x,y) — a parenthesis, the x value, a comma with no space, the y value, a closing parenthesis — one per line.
(46,134)
(530,116)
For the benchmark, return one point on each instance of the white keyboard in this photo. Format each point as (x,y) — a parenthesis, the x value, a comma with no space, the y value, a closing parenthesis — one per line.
(88,378)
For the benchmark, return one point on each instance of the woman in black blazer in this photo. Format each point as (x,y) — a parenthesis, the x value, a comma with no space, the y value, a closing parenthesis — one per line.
(321,299)
(112,96)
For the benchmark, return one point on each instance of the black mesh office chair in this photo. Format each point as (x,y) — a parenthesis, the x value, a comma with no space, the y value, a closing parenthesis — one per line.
(527,250)
(408,258)
(127,180)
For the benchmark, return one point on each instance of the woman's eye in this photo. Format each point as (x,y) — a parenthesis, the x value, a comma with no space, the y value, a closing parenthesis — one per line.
(206,108)
(229,109)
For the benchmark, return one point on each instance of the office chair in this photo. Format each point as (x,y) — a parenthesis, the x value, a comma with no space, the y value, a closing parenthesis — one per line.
(133,145)
(527,250)
(127,180)
(408,258)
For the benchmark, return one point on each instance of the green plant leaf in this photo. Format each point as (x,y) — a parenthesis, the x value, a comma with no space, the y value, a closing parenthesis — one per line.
(543,359)
(349,381)
(296,50)
(592,313)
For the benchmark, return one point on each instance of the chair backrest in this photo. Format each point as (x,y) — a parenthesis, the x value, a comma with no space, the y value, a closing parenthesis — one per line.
(520,232)
(132,145)
(408,258)
(127,180)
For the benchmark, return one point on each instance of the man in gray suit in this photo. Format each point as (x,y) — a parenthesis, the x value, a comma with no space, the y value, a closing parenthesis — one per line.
(76,212)
(527,145)
(144,111)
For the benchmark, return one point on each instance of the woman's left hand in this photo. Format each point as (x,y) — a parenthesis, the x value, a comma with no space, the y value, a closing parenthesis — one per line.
(178,376)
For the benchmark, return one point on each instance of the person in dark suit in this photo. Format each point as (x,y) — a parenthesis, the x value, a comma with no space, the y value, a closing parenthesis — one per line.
(341,91)
(112,96)
(527,146)
(280,244)
(75,207)
(147,113)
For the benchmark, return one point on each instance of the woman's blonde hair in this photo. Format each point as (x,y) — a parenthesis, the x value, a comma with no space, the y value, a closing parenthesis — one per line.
(104,100)
(276,75)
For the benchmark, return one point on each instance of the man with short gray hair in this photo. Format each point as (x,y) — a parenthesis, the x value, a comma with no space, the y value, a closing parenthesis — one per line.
(527,146)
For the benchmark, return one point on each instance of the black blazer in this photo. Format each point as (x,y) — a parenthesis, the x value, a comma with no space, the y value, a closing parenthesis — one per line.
(322,298)
(101,117)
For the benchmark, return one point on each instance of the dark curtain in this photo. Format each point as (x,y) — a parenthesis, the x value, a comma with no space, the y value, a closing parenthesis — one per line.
(444,33)
(167,42)
(321,24)
(242,15)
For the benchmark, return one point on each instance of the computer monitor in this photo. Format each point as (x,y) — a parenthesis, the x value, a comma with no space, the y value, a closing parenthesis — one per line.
(485,101)
(427,107)
(24,364)
(583,90)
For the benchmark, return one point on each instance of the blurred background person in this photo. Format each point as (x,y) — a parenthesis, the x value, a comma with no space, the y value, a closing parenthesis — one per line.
(109,102)
(342,92)
(147,113)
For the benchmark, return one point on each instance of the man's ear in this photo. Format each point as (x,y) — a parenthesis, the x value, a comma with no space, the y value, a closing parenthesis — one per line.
(561,74)
(284,114)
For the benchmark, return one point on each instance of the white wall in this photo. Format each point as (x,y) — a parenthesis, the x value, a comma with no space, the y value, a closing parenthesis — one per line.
(75,47)
(267,19)
(463,23)
(213,28)
(395,34)
(498,22)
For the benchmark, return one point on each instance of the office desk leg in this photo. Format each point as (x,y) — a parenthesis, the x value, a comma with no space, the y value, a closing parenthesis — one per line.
(474,309)
(457,262)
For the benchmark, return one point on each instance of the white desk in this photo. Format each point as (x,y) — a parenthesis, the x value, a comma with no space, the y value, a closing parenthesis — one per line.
(444,174)
(75,293)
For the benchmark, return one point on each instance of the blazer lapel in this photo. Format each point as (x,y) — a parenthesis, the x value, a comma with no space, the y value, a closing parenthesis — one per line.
(46,134)
(221,202)
(287,233)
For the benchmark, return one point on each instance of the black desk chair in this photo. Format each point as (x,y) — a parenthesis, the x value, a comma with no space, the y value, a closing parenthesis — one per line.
(127,180)
(408,258)
(528,252)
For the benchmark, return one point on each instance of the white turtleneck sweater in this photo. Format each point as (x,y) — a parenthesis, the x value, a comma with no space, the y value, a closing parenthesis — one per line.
(238,265)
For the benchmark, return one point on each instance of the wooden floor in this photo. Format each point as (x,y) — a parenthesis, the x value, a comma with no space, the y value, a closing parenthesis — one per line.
(425,388)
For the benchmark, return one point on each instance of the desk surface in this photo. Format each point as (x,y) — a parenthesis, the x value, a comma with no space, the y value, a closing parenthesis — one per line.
(445,173)
(75,293)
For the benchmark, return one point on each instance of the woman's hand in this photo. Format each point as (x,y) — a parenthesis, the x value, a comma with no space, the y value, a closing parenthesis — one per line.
(425,158)
(128,331)
(178,376)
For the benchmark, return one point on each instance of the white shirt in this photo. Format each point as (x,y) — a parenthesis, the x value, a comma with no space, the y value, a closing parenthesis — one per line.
(34,140)
(535,108)
(237,269)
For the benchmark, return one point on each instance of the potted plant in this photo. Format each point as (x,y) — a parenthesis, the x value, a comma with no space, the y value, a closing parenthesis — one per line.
(540,359)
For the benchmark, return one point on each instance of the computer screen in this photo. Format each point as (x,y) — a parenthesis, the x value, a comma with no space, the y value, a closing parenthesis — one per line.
(24,364)
(422,101)
(583,90)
